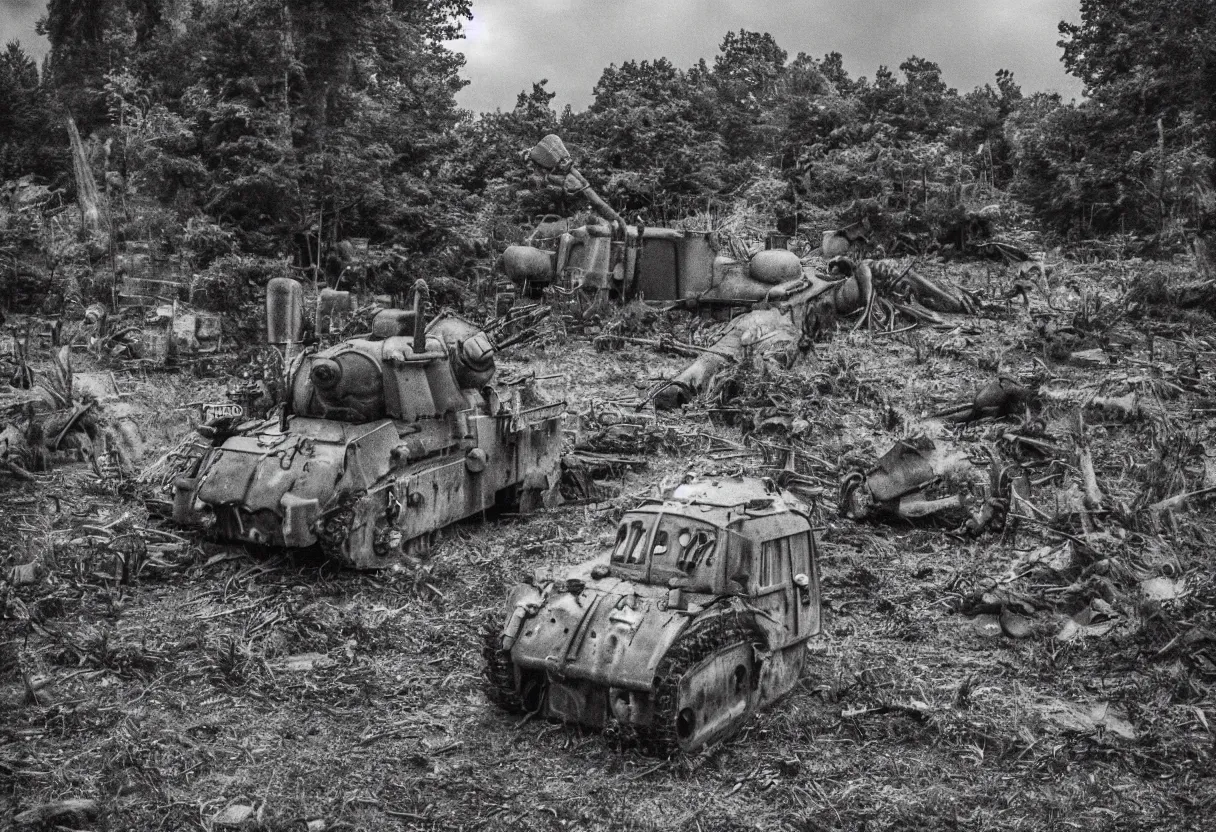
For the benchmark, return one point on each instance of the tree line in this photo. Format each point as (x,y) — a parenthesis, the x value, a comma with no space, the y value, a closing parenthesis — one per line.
(262,127)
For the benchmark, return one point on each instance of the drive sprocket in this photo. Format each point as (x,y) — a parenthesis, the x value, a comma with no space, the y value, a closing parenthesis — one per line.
(694,653)
(498,674)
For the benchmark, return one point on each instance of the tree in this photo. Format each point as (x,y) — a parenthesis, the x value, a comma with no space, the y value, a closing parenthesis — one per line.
(287,119)
(89,40)
(29,139)
(746,74)
(650,136)
(486,159)
(1149,120)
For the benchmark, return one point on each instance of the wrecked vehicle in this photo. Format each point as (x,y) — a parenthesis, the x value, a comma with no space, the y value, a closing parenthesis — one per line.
(697,617)
(626,261)
(902,484)
(382,441)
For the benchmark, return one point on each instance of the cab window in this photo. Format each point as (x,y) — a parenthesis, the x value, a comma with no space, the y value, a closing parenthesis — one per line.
(800,553)
(630,540)
(774,563)
(668,546)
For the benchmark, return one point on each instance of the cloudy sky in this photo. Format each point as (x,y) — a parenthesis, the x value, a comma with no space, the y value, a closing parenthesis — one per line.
(17,18)
(511,43)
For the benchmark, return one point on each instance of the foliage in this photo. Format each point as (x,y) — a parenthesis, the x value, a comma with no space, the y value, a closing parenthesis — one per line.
(231,282)
(275,129)
(29,140)
(1136,155)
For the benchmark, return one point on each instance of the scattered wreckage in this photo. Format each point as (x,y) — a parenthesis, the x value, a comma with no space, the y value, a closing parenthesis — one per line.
(380,441)
(621,261)
(795,314)
(164,333)
(697,617)
(920,478)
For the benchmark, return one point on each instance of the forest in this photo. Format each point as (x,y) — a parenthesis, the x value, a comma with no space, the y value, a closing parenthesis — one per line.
(985,375)
(231,133)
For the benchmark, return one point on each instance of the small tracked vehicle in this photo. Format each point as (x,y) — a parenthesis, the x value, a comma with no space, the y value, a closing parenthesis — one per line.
(382,441)
(697,617)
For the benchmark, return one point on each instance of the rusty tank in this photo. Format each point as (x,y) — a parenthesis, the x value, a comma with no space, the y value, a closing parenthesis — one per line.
(382,441)
(698,616)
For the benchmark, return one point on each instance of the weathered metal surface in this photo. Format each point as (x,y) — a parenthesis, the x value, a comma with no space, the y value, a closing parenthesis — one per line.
(696,617)
(383,445)
(623,261)
(773,266)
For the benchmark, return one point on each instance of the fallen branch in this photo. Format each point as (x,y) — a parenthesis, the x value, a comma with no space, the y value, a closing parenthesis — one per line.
(10,467)
(1093,494)
(1179,500)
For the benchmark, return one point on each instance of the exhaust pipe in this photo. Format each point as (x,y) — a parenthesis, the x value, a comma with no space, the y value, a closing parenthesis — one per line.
(421,294)
(284,326)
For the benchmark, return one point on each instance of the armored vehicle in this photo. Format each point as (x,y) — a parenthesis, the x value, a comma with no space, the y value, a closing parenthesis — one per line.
(657,264)
(698,616)
(382,441)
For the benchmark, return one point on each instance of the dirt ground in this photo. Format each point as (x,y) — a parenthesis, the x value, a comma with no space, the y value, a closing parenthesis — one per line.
(1054,673)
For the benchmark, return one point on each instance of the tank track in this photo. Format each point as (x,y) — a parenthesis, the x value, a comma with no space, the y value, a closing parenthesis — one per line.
(498,673)
(335,527)
(692,647)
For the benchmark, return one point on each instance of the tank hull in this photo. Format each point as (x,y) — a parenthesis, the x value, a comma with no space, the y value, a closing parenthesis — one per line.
(636,669)
(369,493)
(697,617)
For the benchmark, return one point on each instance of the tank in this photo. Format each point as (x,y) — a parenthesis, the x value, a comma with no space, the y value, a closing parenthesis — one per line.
(382,441)
(698,616)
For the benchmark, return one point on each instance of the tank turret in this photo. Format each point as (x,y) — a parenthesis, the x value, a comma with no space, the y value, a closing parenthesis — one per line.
(470,350)
(362,380)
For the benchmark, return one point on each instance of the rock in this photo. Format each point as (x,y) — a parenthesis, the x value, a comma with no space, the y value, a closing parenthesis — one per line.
(1014,625)
(1161,589)
(233,815)
(24,574)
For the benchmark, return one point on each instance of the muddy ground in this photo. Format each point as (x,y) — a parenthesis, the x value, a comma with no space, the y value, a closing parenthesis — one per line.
(1054,673)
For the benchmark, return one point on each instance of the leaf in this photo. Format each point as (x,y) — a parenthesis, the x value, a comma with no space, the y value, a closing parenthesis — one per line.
(1096,718)
(233,815)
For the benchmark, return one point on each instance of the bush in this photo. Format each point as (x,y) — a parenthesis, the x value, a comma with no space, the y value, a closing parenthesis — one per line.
(233,281)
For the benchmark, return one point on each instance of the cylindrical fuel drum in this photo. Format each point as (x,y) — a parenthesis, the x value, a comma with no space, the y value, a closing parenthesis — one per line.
(284,310)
